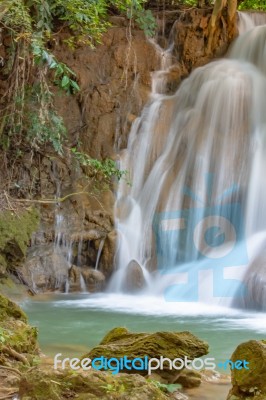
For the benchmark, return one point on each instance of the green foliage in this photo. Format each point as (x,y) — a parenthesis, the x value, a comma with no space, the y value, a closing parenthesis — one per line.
(146,22)
(63,75)
(258,5)
(170,388)
(31,24)
(114,387)
(17,16)
(86,19)
(106,168)
(46,130)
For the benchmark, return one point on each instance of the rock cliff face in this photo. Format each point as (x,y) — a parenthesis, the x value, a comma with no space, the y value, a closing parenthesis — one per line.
(115,82)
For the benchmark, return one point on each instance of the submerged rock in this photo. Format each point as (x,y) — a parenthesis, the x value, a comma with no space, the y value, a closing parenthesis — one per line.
(119,342)
(249,383)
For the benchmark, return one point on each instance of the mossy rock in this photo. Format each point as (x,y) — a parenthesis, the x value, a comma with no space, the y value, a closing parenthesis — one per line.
(119,342)
(9,309)
(15,233)
(249,383)
(18,340)
(40,385)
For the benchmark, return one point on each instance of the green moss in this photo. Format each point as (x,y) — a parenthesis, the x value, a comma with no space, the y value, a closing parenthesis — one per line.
(15,333)
(120,342)
(15,233)
(250,382)
(40,385)
(10,310)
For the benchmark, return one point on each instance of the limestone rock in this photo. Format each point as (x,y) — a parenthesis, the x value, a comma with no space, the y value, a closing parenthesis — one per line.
(120,342)
(45,269)
(189,379)
(249,383)
(134,278)
(93,278)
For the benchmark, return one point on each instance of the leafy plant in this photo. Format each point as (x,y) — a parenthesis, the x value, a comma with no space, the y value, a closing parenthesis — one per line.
(114,388)
(107,168)
(259,5)
(170,388)
(31,23)
(63,75)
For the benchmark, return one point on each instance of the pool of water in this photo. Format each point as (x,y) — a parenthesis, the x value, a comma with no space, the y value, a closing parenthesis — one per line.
(71,324)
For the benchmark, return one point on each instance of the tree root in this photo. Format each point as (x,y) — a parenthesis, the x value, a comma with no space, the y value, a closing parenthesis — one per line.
(16,371)
(15,354)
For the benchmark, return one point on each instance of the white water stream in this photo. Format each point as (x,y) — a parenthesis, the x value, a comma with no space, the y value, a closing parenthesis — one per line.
(194,217)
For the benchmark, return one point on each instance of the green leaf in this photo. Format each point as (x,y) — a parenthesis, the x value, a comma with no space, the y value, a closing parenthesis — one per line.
(65,81)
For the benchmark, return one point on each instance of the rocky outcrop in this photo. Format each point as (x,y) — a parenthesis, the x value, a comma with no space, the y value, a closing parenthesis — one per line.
(119,342)
(115,78)
(115,82)
(249,383)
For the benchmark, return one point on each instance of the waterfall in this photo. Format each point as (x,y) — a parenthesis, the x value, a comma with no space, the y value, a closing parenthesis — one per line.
(248,20)
(83,286)
(196,163)
(99,253)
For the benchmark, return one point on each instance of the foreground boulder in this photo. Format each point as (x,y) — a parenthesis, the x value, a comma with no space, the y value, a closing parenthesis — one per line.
(18,340)
(249,383)
(120,342)
(21,377)
(18,346)
(40,385)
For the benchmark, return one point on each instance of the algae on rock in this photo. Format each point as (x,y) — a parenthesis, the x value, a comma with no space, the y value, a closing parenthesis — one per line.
(120,342)
(18,340)
(15,232)
(249,383)
(92,385)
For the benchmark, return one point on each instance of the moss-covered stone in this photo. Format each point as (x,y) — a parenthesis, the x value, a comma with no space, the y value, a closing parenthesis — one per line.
(40,385)
(15,233)
(9,309)
(18,340)
(119,342)
(249,383)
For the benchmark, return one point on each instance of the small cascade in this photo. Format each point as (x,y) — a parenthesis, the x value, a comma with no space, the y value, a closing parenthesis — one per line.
(79,256)
(248,20)
(159,78)
(67,286)
(250,47)
(83,286)
(196,163)
(99,253)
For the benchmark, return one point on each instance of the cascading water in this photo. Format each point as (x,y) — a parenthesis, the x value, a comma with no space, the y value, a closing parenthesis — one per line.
(99,253)
(196,204)
(248,20)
